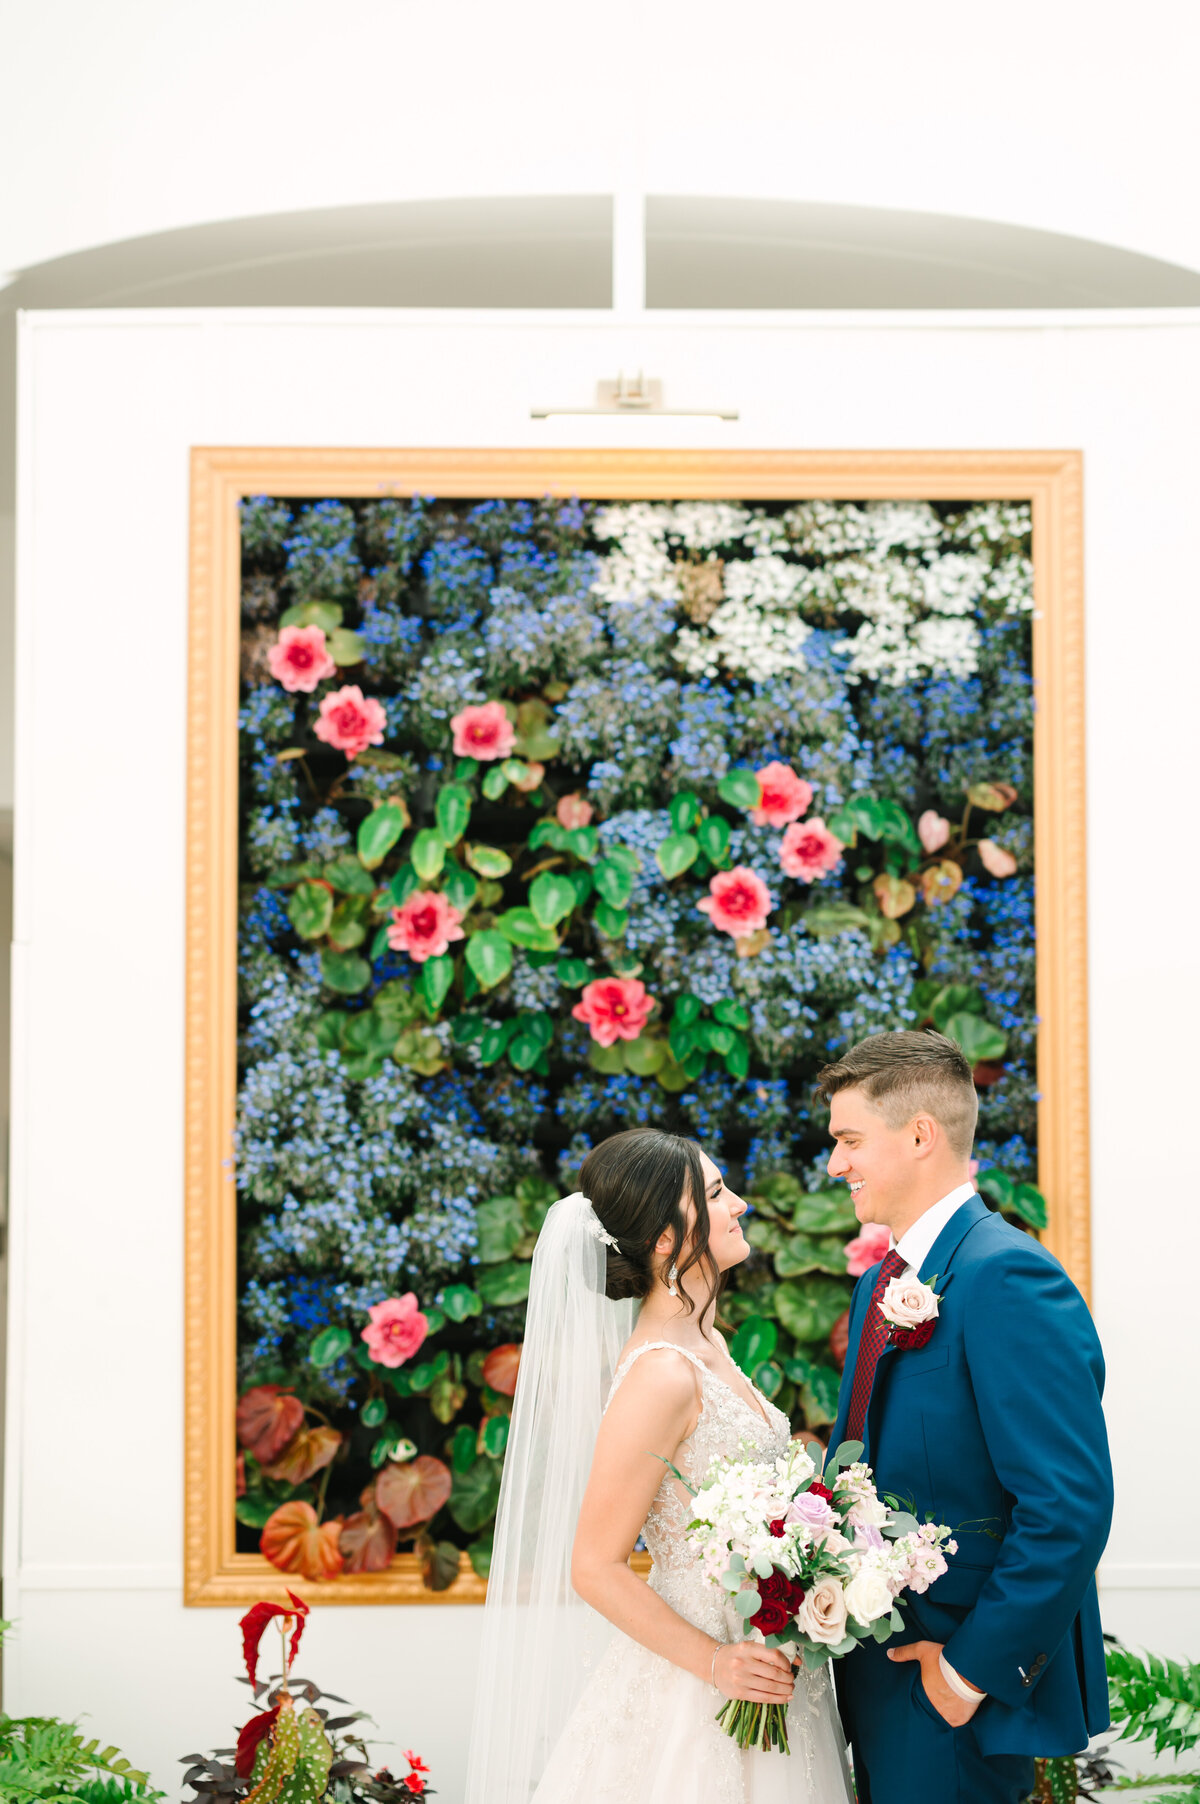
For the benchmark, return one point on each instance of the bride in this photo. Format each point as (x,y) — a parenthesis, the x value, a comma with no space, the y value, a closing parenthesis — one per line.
(596,1687)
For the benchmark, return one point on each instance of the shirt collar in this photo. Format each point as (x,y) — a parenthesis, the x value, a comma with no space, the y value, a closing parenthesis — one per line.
(915,1246)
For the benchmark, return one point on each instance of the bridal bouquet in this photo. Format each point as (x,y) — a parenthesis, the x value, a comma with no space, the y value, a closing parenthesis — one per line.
(811,1560)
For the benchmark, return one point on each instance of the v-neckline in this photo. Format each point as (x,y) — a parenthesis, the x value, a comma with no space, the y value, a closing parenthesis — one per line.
(756,1406)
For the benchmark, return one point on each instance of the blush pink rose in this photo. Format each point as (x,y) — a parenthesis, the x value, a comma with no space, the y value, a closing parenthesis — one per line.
(615,1008)
(396,1331)
(573,811)
(484,732)
(299,658)
(350,722)
(995,859)
(933,830)
(424,925)
(808,850)
(738,902)
(785,796)
(867,1249)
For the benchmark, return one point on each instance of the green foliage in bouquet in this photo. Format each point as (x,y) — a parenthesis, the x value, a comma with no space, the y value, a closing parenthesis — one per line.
(559,819)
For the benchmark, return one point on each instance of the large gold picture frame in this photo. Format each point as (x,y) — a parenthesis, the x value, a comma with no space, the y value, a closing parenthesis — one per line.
(1052,481)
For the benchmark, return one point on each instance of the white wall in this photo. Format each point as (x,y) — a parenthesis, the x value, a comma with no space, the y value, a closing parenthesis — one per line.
(146,114)
(110,404)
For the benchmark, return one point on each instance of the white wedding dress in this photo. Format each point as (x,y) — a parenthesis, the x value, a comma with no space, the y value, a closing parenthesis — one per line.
(644,1731)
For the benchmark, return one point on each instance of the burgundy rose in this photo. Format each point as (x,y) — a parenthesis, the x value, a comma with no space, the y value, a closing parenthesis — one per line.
(920,1336)
(795,1596)
(819,1490)
(771,1617)
(777,1527)
(775,1588)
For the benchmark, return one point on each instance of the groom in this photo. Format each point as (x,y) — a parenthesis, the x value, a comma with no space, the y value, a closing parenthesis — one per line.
(993,1425)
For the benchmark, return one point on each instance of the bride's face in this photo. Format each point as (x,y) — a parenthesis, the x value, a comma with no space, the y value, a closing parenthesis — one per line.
(726,1242)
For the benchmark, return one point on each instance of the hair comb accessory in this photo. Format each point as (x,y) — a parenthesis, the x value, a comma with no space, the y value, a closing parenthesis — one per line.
(595,1226)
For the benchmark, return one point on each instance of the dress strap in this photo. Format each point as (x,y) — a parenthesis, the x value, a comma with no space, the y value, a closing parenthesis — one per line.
(651,1346)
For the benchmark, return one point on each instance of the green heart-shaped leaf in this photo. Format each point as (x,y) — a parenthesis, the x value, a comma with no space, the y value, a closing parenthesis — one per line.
(310,910)
(345,972)
(676,853)
(551,897)
(490,956)
(684,809)
(489,861)
(428,854)
(437,974)
(325,614)
(453,810)
(346,647)
(713,833)
(379,833)
(613,883)
(741,789)
(522,927)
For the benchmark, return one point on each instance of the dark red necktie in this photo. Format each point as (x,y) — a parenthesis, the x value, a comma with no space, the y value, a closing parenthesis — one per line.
(871,1344)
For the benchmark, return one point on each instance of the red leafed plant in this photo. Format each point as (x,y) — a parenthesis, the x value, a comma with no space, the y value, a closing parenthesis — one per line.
(292,1747)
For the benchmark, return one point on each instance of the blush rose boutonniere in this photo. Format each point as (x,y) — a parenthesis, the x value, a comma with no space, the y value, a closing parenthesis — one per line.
(910,1310)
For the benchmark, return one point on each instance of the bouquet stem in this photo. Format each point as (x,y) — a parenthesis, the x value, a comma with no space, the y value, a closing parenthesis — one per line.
(761,1726)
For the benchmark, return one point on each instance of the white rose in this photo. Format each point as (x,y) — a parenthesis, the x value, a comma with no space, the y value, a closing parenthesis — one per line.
(823,1612)
(867,1596)
(908,1302)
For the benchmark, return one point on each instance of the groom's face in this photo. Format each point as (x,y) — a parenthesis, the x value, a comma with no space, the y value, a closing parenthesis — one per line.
(874,1159)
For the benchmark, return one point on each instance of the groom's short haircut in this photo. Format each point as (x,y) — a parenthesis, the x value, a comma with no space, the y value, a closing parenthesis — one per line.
(908,1074)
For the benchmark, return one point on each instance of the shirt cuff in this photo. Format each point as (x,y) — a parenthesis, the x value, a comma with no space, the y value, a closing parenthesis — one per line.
(958,1685)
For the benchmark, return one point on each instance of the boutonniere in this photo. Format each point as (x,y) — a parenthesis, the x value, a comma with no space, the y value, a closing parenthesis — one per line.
(910,1310)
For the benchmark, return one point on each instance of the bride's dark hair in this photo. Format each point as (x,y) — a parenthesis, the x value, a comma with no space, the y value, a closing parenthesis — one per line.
(635,1183)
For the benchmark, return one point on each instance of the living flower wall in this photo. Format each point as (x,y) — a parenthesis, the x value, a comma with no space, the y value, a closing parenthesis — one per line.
(559,818)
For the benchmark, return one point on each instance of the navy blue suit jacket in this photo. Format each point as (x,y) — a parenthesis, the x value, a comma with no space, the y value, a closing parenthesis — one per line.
(995,1427)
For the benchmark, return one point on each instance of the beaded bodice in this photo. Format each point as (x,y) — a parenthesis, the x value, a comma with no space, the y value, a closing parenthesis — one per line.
(728,1427)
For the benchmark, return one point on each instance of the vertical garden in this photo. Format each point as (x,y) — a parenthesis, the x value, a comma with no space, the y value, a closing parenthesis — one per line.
(563,817)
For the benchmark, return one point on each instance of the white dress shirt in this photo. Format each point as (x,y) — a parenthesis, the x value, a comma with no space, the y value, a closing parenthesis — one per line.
(914,1247)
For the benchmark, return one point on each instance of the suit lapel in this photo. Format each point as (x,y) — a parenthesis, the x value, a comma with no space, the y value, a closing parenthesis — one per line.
(936,1264)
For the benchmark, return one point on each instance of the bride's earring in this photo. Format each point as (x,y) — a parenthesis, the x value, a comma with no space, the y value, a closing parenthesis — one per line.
(671,1277)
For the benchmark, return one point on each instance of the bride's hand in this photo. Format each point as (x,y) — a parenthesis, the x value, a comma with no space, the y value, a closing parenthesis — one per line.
(756,1674)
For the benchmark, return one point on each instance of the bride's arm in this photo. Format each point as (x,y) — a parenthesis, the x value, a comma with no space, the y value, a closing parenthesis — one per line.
(652,1414)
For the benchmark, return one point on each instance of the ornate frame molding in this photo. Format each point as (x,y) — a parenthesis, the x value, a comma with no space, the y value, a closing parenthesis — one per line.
(1051,480)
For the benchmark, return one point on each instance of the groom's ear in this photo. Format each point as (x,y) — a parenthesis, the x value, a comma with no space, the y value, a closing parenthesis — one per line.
(925,1135)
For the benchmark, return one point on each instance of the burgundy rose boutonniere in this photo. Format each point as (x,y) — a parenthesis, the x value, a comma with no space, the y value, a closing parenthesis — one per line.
(910,1310)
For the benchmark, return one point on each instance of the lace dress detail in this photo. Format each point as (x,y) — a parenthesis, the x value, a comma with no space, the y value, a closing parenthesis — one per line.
(644,1731)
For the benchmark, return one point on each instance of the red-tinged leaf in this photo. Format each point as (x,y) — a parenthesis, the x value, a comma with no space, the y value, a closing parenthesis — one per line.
(311,1449)
(839,1339)
(368,1540)
(500,1369)
(294,1541)
(987,1071)
(413,1492)
(239,1472)
(267,1418)
(256,1619)
(249,1738)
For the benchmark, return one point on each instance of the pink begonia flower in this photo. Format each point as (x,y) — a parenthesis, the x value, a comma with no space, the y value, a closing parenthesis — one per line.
(813,1512)
(573,811)
(867,1249)
(995,859)
(738,903)
(396,1331)
(484,732)
(933,830)
(350,722)
(424,925)
(299,658)
(808,850)
(785,796)
(615,1008)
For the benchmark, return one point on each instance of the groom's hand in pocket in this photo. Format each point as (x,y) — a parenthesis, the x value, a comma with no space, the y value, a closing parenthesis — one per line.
(946,1701)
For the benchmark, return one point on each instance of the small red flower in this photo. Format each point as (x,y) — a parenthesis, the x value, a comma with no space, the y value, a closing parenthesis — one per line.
(415,1761)
(415,1784)
(911,1338)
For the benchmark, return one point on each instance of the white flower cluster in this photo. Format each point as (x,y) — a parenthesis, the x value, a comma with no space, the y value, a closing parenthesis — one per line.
(880,562)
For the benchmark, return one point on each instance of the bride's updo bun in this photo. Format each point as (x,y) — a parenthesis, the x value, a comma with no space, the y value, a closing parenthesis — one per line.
(636,1183)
